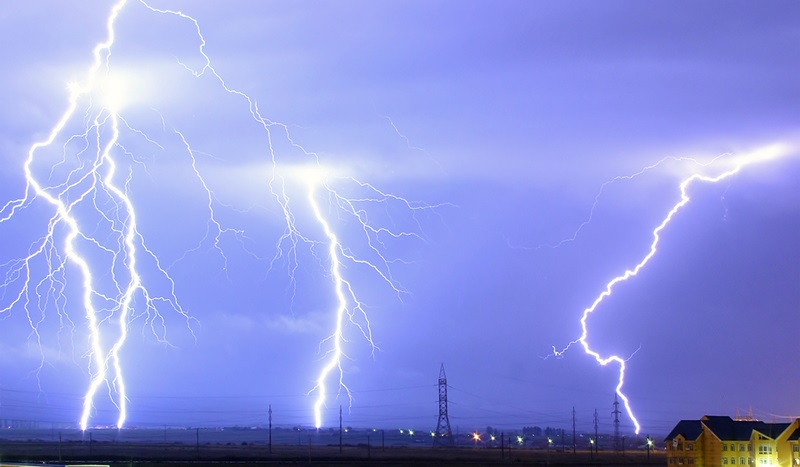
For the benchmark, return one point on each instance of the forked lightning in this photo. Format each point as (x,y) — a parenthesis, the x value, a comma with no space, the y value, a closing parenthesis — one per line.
(94,231)
(722,168)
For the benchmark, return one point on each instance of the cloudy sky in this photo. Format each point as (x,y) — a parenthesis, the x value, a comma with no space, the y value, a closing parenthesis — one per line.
(481,167)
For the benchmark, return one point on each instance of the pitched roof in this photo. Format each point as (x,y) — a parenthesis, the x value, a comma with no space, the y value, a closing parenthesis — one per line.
(727,429)
(690,429)
(795,435)
(773,430)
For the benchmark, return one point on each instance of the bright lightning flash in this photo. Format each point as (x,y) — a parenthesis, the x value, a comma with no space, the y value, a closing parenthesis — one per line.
(93,230)
(734,166)
(85,184)
(94,227)
(315,179)
(350,309)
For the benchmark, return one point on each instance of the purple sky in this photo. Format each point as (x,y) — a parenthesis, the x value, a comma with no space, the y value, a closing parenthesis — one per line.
(508,117)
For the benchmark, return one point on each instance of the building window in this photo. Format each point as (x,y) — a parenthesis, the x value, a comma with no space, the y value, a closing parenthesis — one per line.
(765,449)
(741,446)
(690,460)
(689,446)
(749,447)
(795,447)
(741,461)
(724,447)
(733,461)
(725,461)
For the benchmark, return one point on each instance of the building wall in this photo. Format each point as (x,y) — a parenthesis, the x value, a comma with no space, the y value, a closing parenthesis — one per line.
(794,453)
(786,454)
(712,449)
(737,453)
(685,452)
(760,442)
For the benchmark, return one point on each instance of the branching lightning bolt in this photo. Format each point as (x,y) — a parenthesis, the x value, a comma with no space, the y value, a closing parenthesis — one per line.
(93,217)
(618,178)
(94,229)
(349,309)
(766,154)
(64,203)
(335,355)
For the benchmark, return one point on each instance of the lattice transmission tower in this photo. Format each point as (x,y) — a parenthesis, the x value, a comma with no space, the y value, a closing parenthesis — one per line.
(616,413)
(443,435)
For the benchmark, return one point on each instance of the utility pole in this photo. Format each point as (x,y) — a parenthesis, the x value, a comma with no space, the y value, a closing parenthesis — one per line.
(596,440)
(270,428)
(573,429)
(616,413)
(340,429)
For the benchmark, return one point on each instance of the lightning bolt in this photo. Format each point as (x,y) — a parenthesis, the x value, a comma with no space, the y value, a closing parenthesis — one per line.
(335,355)
(65,199)
(350,309)
(94,228)
(618,178)
(766,154)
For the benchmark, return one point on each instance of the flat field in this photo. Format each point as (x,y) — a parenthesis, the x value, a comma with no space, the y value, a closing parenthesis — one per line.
(154,455)
(206,447)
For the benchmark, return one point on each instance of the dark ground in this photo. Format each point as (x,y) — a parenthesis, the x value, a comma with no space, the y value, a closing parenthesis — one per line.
(156,455)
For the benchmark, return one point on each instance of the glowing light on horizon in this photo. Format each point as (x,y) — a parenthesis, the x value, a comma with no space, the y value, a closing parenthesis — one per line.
(736,164)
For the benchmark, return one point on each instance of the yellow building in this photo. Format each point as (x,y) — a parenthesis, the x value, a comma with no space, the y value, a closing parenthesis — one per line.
(720,441)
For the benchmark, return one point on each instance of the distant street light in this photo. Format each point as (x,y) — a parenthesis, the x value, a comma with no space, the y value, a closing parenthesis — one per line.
(476,437)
